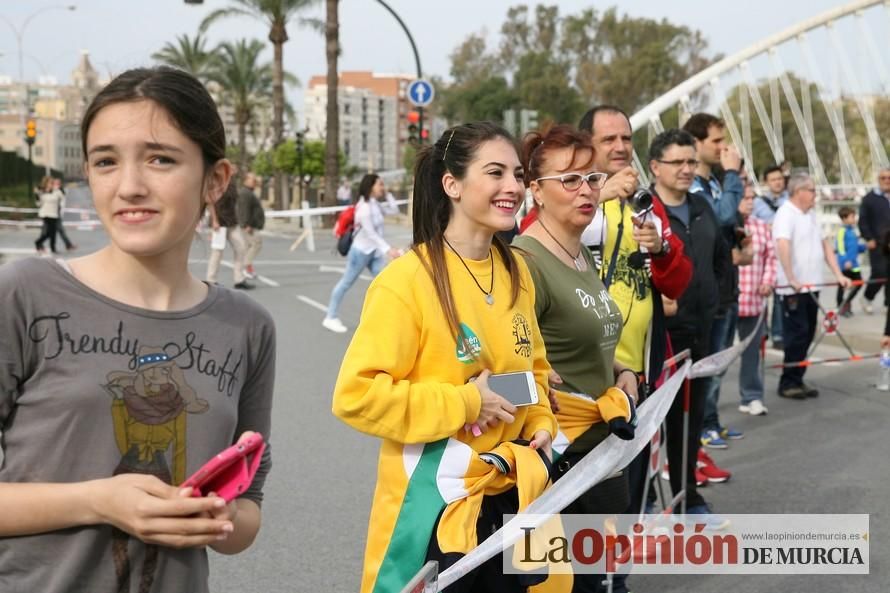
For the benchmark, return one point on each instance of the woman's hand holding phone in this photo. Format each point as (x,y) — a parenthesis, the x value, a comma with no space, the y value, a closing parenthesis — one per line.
(494,407)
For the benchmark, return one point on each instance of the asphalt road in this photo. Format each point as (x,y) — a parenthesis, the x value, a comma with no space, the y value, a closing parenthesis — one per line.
(827,455)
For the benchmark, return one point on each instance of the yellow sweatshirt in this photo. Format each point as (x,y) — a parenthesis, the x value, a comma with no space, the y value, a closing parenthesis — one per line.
(405,379)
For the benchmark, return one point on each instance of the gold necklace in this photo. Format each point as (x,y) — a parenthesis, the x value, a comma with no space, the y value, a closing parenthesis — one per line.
(488,296)
(576,259)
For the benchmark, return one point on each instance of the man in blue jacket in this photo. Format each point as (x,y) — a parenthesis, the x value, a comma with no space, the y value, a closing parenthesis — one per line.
(714,152)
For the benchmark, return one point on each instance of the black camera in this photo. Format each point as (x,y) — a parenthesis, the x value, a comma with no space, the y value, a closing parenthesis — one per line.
(640,201)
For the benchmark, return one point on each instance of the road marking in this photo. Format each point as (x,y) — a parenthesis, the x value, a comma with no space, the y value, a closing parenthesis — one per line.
(262,279)
(312,303)
(273,262)
(340,270)
(18,250)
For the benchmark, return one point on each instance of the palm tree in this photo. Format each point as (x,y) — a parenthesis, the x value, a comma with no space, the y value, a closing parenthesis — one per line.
(277,14)
(244,85)
(332,132)
(189,54)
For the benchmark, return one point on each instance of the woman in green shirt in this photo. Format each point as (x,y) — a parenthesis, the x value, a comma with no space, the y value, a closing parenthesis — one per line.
(579,321)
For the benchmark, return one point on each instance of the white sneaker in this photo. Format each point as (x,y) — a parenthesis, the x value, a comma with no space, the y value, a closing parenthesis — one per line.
(756,408)
(866,306)
(744,408)
(334,324)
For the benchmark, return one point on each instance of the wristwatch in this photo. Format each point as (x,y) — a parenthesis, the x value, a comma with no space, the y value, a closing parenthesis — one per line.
(665,248)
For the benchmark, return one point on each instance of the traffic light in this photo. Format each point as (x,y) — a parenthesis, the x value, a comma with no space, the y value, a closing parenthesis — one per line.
(413,119)
(299,136)
(31,131)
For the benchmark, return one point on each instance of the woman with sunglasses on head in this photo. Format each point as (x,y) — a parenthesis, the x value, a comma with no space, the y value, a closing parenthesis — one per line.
(579,321)
(436,324)
(121,373)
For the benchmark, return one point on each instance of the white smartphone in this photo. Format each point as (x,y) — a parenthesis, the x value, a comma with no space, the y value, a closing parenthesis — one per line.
(517,388)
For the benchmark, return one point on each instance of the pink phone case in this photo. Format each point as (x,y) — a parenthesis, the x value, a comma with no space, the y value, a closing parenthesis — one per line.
(229,473)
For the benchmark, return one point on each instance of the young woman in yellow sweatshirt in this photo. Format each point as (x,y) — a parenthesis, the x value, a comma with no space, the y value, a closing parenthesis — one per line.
(436,323)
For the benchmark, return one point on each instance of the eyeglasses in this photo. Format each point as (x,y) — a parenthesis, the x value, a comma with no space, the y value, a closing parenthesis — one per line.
(573,181)
(691,163)
(884,177)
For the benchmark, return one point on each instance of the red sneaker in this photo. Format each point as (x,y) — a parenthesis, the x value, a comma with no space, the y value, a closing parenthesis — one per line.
(709,469)
(701,479)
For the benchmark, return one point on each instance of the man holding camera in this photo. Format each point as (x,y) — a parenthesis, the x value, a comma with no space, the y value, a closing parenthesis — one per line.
(724,196)
(625,240)
(639,259)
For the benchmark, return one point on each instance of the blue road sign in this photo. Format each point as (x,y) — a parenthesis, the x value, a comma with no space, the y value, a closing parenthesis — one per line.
(420,92)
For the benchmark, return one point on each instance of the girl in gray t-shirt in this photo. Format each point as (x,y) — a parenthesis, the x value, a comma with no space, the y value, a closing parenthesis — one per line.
(121,373)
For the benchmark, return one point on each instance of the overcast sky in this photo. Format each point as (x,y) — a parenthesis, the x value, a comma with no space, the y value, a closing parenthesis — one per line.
(123,33)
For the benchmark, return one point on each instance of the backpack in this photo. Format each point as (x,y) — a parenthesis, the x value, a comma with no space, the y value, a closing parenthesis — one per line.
(344,230)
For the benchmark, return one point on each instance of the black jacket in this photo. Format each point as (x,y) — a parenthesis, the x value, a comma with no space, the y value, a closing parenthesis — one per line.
(874,216)
(704,244)
(250,210)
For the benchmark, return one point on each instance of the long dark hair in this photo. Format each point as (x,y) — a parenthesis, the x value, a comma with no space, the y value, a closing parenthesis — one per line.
(452,153)
(365,187)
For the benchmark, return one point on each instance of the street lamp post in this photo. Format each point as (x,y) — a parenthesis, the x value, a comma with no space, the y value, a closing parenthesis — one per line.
(20,32)
(416,61)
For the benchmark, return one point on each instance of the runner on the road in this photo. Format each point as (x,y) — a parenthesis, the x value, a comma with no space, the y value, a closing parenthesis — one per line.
(121,373)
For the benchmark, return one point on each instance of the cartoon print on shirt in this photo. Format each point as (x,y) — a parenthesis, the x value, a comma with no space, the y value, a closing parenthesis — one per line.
(636,279)
(148,409)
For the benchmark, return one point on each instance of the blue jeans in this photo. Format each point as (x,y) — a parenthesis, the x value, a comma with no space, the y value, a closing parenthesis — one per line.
(356,262)
(722,333)
(750,379)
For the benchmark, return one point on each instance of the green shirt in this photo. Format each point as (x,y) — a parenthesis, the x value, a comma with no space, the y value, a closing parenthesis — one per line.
(579,321)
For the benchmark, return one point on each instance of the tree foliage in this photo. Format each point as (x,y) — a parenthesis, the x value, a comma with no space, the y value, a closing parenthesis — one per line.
(284,159)
(189,54)
(560,64)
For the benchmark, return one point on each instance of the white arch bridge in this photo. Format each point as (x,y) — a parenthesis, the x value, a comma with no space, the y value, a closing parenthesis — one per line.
(770,114)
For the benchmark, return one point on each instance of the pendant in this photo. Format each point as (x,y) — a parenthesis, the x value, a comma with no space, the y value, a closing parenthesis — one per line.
(489,299)
(577,265)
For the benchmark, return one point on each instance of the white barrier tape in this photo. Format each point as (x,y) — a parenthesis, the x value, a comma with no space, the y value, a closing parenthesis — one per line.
(35,210)
(608,456)
(313,211)
(268,213)
(39,223)
(717,363)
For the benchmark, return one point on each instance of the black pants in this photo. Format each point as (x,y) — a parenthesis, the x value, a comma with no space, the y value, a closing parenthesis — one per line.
(878,272)
(48,232)
(799,326)
(854,275)
(61,229)
(698,345)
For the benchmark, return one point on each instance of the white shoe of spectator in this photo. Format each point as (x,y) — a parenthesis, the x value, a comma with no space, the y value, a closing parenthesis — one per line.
(756,408)
(334,325)
(866,306)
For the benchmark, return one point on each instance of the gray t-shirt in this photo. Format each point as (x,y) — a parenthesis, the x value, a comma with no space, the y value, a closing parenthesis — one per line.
(91,388)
